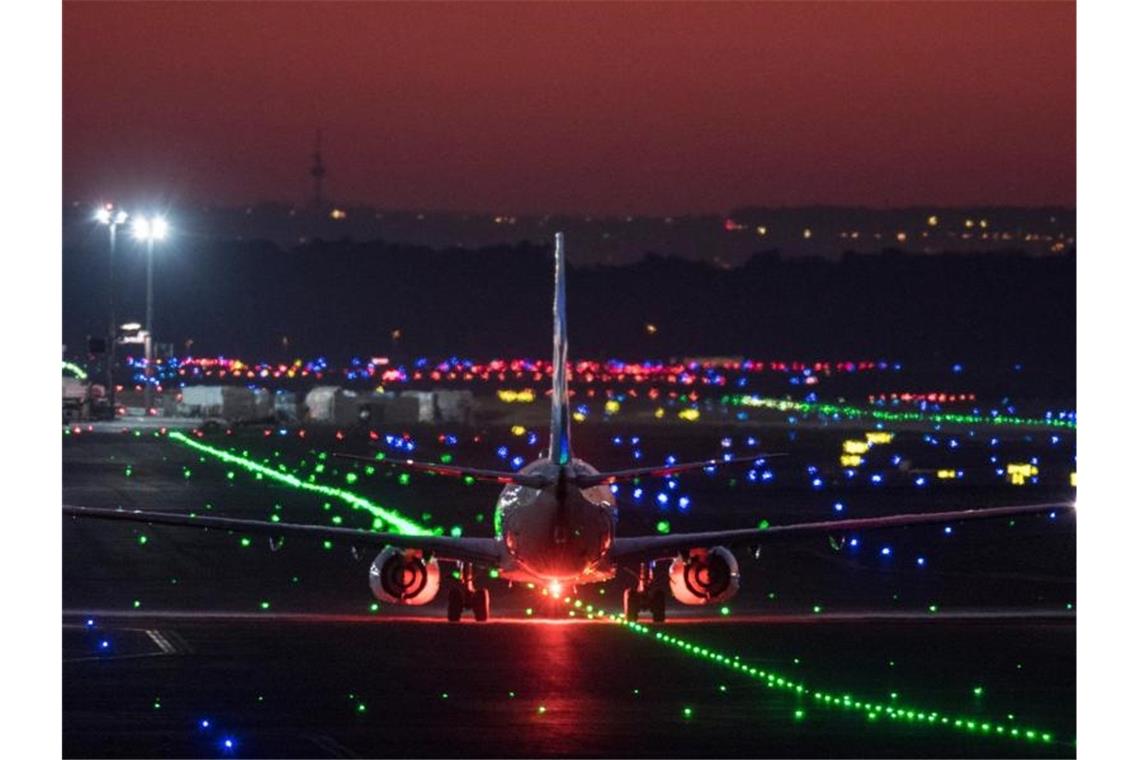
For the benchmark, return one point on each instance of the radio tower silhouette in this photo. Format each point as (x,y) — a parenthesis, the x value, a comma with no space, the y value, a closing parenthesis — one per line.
(317,172)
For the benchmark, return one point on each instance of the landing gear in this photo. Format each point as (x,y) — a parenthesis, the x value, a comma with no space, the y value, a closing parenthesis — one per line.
(468,597)
(657,605)
(644,597)
(481,604)
(454,604)
(631,604)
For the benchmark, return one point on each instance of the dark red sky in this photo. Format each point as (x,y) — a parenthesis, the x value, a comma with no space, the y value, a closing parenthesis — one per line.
(604,108)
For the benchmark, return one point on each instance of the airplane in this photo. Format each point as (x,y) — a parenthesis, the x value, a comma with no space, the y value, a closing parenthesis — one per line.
(555,525)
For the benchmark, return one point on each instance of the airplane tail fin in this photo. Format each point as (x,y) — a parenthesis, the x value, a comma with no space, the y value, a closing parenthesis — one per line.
(560,397)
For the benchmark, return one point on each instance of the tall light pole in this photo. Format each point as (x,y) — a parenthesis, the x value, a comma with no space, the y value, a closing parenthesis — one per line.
(107,215)
(149,230)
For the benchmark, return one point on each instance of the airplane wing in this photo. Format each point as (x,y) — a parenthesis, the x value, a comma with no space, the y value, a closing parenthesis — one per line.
(452,471)
(648,548)
(660,471)
(483,551)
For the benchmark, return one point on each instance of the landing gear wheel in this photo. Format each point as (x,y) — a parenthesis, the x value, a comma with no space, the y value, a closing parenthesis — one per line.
(454,604)
(481,604)
(631,604)
(657,604)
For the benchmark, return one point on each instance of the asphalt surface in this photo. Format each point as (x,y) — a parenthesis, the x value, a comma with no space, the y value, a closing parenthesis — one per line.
(278,650)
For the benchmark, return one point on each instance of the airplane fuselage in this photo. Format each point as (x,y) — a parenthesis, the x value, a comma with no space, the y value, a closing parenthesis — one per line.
(558,533)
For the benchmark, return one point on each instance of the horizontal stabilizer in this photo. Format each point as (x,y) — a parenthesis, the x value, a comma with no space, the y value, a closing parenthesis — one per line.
(452,471)
(661,471)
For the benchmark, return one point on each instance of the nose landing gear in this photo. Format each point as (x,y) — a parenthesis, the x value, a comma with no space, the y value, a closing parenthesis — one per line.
(467,597)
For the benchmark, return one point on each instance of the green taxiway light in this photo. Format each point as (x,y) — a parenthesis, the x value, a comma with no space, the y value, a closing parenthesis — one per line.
(841,701)
(75,370)
(392,519)
(854,412)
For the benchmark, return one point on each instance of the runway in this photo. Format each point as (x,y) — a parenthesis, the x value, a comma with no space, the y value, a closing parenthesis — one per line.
(285,688)
(285,654)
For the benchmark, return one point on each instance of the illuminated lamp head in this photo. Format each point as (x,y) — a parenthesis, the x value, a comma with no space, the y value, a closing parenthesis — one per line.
(555,588)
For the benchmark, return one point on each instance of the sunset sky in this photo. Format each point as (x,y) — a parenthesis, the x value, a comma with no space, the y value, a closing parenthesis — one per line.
(630,108)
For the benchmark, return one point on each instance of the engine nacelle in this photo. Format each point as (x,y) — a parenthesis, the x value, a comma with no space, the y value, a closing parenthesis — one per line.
(707,576)
(402,577)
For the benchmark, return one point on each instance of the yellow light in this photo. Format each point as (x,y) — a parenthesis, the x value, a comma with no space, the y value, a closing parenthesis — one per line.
(612,407)
(850,460)
(1073,479)
(878,437)
(689,415)
(932,220)
(508,396)
(855,447)
(1018,473)
(947,474)
(659,413)
(518,430)
(578,417)
(983,224)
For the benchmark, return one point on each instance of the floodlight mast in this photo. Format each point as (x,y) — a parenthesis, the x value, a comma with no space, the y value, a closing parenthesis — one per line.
(107,215)
(149,230)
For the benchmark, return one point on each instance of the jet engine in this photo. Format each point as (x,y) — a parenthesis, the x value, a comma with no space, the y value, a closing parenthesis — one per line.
(706,576)
(403,577)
